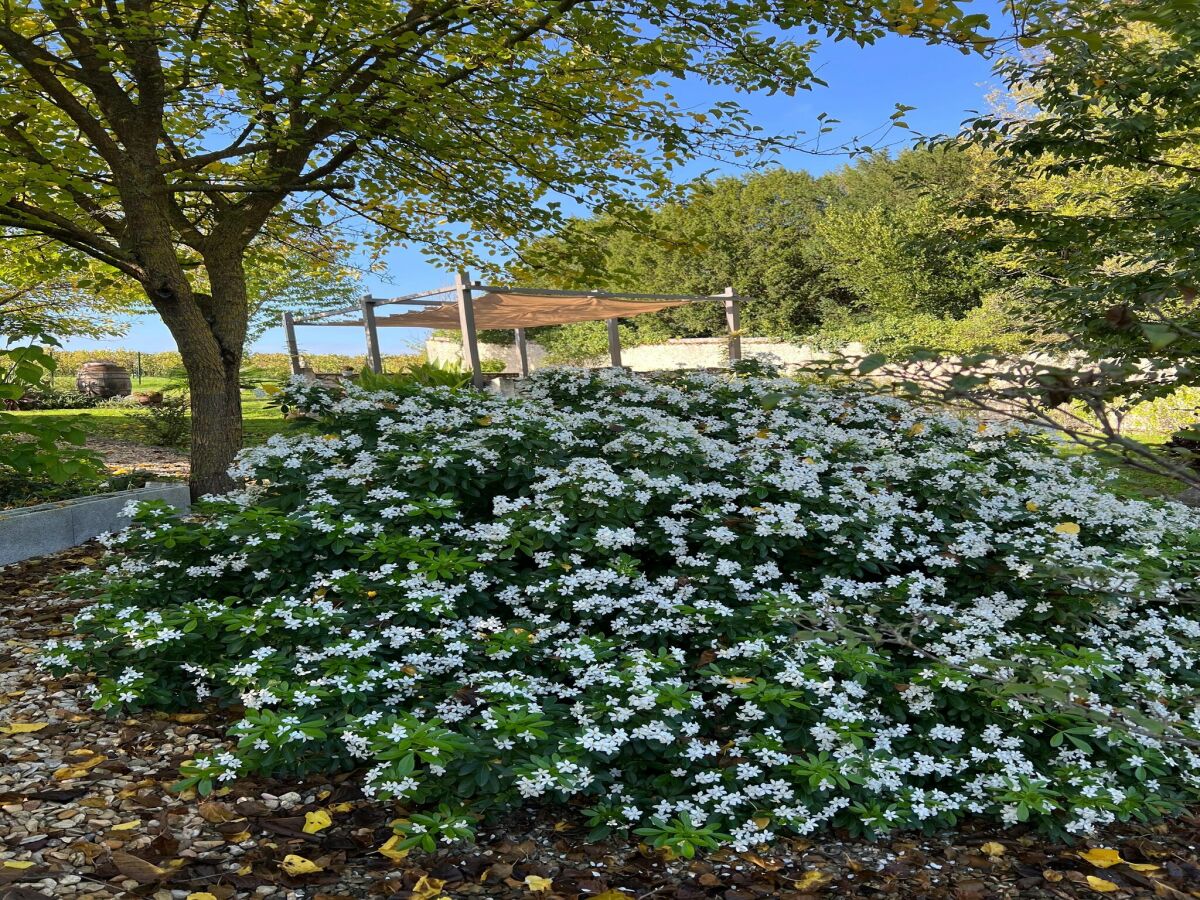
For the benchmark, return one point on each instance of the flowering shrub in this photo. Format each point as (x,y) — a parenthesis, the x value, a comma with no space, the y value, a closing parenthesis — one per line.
(707,609)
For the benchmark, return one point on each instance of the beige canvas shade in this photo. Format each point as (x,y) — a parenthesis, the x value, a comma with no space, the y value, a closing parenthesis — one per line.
(499,310)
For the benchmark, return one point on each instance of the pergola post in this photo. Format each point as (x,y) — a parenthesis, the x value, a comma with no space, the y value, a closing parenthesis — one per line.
(466,323)
(733,319)
(374,360)
(293,349)
(614,343)
(522,351)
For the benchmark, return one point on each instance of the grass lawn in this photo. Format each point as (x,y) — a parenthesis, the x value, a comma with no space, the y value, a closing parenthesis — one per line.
(121,422)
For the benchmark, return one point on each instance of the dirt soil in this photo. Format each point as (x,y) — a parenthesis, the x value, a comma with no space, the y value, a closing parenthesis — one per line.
(85,812)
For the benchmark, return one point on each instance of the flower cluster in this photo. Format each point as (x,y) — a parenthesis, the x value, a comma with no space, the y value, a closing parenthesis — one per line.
(710,609)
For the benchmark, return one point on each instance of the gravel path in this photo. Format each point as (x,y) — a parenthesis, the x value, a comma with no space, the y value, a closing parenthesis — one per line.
(133,455)
(85,812)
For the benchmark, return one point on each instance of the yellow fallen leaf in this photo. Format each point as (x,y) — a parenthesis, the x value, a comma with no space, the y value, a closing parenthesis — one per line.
(344,807)
(189,718)
(613,895)
(738,679)
(202,895)
(917,428)
(127,826)
(1032,505)
(811,879)
(993,848)
(1143,867)
(426,888)
(1101,857)
(537,883)
(18,863)
(484,421)
(237,838)
(1052,876)
(298,865)
(390,850)
(1101,885)
(1067,528)
(245,869)
(317,820)
(23,727)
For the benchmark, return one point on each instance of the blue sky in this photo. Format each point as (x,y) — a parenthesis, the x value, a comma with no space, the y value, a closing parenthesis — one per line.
(865,84)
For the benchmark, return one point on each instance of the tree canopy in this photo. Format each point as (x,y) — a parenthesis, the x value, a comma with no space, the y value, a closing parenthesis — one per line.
(164,137)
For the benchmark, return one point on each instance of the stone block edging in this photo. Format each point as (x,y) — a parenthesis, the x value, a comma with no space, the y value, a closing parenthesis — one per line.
(50,527)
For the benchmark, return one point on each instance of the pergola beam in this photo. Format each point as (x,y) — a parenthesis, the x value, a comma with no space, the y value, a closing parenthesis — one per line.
(293,349)
(733,319)
(522,351)
(374,359)
(614,342)
(466,320)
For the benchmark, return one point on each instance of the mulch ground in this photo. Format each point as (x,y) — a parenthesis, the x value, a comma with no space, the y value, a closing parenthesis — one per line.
(85,812)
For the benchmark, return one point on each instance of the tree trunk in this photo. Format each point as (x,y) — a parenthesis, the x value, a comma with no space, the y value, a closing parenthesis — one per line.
(216,414)
(210,330)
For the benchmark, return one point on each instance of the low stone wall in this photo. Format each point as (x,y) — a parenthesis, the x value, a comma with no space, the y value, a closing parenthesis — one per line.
(678,353)
(51,527)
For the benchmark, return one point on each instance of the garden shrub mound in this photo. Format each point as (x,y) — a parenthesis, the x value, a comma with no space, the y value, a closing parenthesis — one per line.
(709,609)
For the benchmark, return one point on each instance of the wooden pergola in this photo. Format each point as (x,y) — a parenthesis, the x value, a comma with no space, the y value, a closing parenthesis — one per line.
(469,306)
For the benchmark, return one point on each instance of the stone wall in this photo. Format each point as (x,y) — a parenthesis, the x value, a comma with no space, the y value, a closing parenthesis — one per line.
(678,353)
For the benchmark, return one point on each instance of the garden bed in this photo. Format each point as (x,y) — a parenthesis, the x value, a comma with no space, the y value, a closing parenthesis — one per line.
(85,811)
(700,614)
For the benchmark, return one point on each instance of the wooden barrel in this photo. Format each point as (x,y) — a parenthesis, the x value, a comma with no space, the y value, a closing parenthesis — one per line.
(102,378)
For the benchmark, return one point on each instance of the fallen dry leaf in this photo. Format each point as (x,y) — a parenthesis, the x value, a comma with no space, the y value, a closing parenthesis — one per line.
(1101,885)
(202,895)
(127,826)
(216,812)
(812,879)
(138,869)
(538,884)
(389,849)
(317,820)
(1101,857)
(426,888)
(298,865)
(1143,867)
(22,727)
(17,863)
(993,848)
(613,895)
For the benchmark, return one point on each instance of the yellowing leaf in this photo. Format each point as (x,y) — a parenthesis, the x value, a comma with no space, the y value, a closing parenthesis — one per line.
(993,848)
(426,888)
(1143,867)
(484,421)
(202,895)
(917,428)
(23,727)
(1067,528)
(738,679)
(127,826)
(1101,885)
(18,863)
(537,883)
(812,879)
(613,895)
(1032,505)
(1101,857)
(390,851)
(298,865)
(317,820)
(344,807)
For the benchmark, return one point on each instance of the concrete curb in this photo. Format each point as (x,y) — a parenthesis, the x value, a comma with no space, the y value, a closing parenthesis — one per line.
(50,527)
